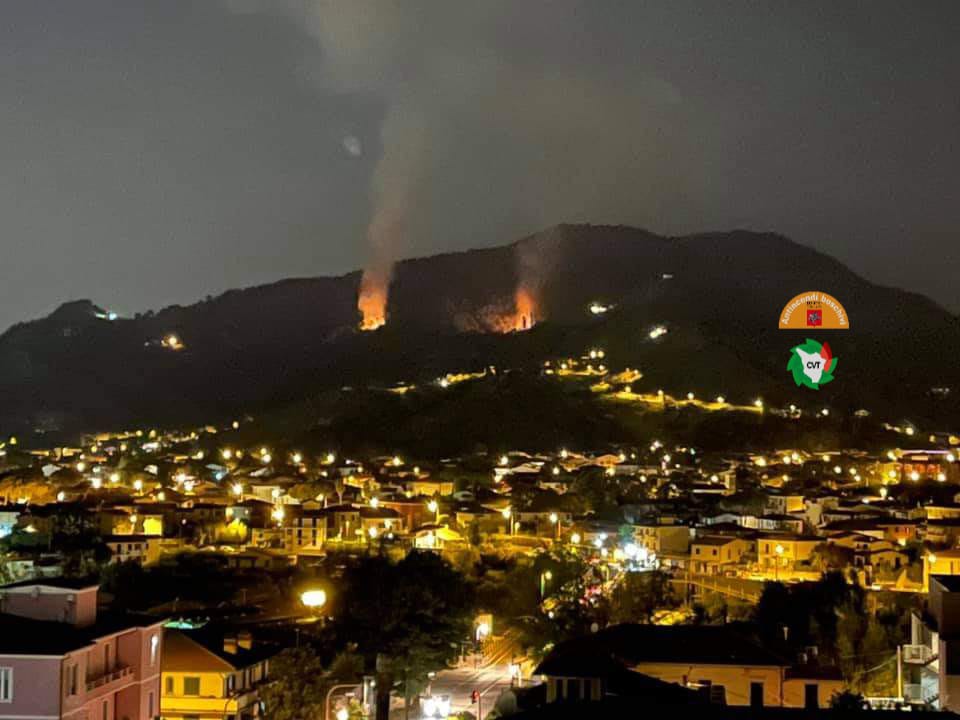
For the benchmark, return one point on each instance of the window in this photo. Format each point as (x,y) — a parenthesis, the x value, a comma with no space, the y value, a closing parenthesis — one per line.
(191,686)
(154,648)
(72,684)
(168,685)
(105,711)
(718,695)
(150,704)
(756,694)
(6,684)
(811,696)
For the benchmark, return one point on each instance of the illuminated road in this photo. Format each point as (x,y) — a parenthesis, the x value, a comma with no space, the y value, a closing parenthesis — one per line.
(489,681)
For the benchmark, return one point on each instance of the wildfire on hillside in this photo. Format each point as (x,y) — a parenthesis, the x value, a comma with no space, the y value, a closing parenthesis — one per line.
(372,301)
(507,315)
(525,307)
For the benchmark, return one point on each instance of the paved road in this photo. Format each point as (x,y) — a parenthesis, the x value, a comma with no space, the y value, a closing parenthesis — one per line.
(488,680)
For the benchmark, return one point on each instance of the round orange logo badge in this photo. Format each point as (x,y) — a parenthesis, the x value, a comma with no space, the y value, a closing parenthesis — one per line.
(813,310)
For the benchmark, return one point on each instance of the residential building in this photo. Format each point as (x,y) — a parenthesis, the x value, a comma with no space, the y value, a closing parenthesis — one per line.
(711,553)
(726,667)
(931,675)
(60,659)
(213,673)
(143,549)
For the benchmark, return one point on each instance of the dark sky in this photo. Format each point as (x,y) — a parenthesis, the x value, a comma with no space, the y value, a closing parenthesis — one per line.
(156,152)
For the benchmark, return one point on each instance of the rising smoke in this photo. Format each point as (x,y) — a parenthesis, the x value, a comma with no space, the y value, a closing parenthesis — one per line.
(493,125)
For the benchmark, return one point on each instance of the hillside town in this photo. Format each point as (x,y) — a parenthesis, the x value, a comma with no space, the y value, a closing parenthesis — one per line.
(193,573)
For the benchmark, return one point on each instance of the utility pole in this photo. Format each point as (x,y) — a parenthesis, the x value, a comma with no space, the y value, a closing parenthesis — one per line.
(384,684)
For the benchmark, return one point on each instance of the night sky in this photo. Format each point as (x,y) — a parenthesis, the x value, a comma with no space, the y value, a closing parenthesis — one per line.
(157,152)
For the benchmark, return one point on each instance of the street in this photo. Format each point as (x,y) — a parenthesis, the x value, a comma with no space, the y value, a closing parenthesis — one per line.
(489,681)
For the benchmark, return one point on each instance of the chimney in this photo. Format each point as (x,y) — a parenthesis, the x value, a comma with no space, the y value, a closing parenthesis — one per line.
(230,644)
(245,640)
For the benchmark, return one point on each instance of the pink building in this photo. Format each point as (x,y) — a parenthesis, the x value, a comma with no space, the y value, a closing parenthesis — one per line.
(60,659)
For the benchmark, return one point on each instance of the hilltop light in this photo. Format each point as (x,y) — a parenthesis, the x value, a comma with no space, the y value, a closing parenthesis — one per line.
(61,496)
(374,502)
(237,489)
(892,474)
(266,459)
(690,396)
(564,453)
(506,512)
(951,458)
(138,485)
(941,477)
(297,458)
(330,458)
(909,430)
(721,399)
(115,477)
(81,466)
(914,476)
(758,403)
(837,469)
(556,471)
(575,538)
(226,453)
(504,461)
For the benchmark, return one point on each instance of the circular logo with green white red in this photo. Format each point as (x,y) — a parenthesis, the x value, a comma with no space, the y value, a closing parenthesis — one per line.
(812,364)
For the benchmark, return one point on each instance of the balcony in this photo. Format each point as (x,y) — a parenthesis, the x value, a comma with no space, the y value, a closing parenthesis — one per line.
(108,678)
(918,654)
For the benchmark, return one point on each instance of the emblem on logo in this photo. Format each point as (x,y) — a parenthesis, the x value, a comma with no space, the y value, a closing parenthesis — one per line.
(813,309)
(812,364)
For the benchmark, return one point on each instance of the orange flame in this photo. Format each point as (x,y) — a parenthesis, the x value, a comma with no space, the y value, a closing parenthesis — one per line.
(372,301)
(525,306)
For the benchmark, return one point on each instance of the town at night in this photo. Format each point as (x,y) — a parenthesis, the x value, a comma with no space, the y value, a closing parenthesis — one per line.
(380,360)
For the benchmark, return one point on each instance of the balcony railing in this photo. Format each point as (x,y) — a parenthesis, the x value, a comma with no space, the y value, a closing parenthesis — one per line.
(116,674)
(917,654)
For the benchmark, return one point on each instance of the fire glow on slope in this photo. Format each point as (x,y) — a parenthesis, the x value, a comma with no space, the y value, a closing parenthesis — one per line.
(372,301)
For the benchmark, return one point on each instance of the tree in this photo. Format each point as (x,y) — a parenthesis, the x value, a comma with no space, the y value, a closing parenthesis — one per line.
(639,595)
(298,687)
(415,612)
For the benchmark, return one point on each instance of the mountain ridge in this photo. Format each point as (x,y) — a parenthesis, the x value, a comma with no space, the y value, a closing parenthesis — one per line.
(718,294)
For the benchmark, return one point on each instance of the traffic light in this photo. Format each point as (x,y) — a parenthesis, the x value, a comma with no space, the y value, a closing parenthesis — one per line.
(474,697)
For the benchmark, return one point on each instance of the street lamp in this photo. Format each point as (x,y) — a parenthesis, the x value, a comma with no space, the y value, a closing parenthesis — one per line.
(545,576)
(313,599)
(779,551)
(555,519)
(434,507)
(508,516)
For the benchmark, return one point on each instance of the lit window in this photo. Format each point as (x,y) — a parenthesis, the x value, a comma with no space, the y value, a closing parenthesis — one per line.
(191,686)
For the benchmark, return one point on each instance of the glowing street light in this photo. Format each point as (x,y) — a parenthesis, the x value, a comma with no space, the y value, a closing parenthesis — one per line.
(575,539)
(508,516)
(237,489)
(313,599)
